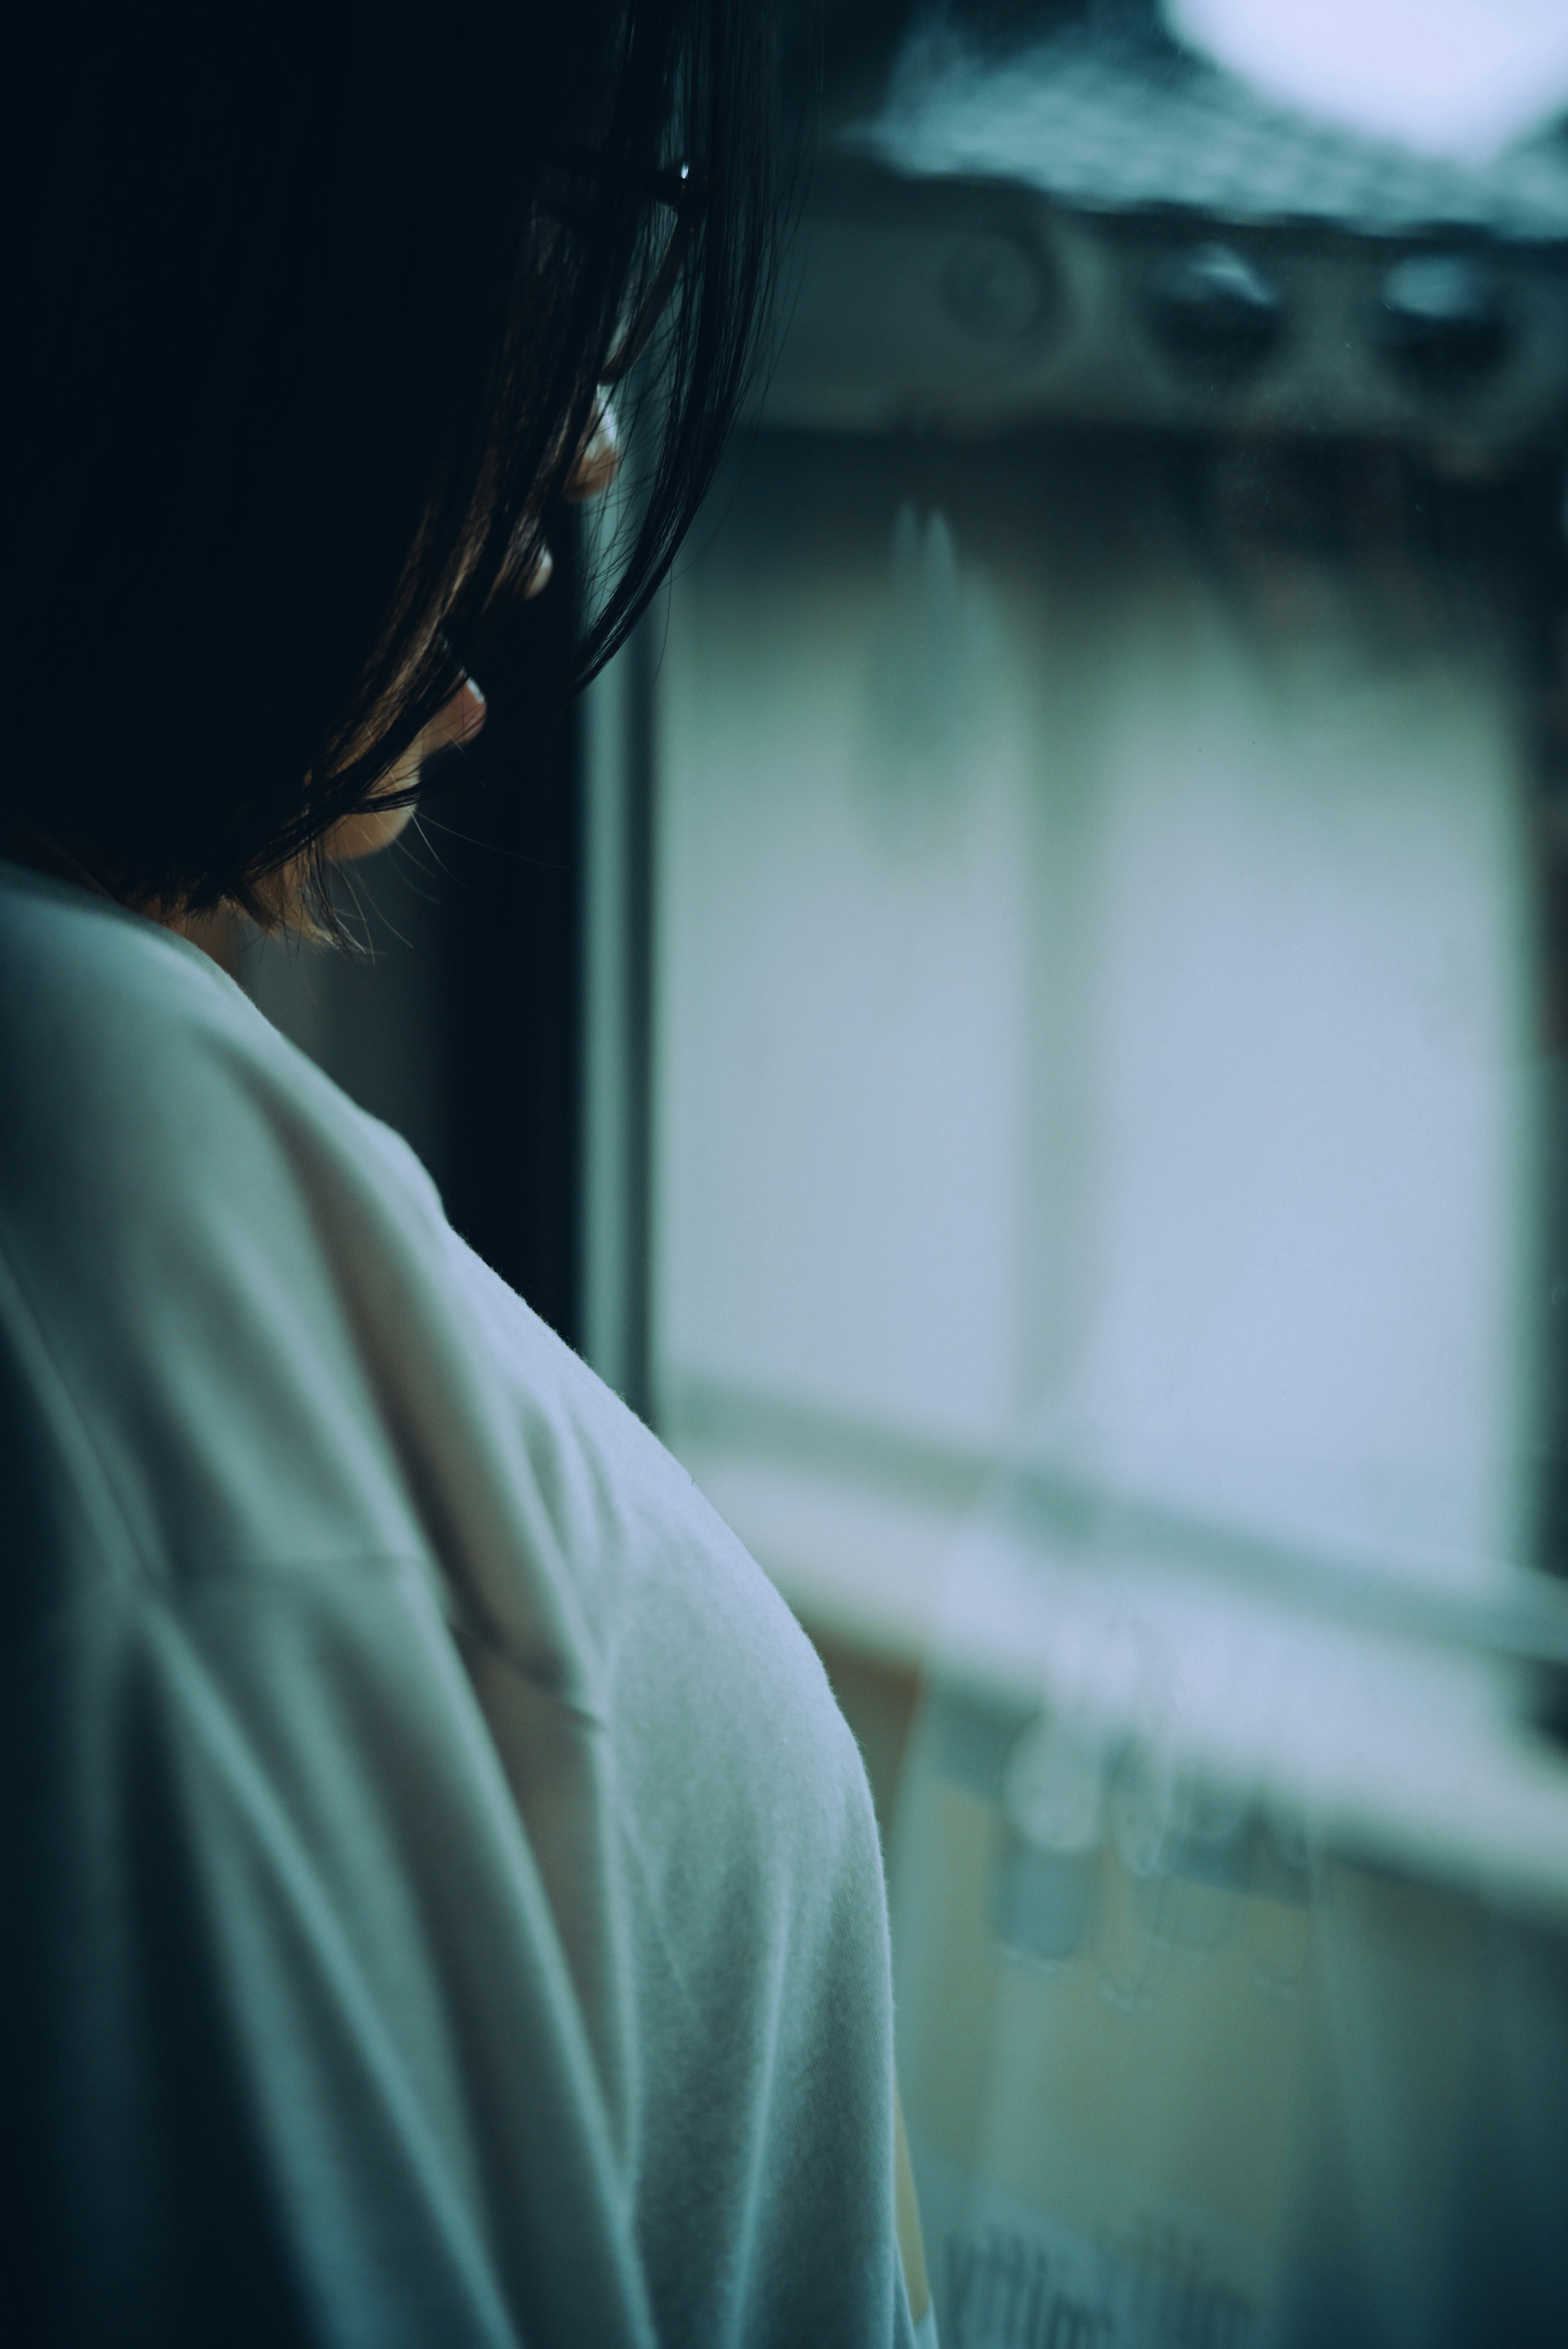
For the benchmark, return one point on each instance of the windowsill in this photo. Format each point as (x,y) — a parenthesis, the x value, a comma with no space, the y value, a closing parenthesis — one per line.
(1413,1752)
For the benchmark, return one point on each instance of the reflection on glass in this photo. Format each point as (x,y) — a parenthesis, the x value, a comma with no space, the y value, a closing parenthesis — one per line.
(1108,1137)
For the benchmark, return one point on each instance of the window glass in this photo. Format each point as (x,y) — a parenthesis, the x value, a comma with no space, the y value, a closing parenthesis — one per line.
(1075,1135)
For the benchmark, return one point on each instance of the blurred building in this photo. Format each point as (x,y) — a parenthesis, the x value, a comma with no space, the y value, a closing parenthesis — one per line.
(1088,1158)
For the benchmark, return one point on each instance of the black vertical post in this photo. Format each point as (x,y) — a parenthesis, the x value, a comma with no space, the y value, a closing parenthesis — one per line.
(639,905)
(509,840)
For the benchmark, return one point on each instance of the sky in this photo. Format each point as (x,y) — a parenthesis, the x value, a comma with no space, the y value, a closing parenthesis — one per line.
(1459,77)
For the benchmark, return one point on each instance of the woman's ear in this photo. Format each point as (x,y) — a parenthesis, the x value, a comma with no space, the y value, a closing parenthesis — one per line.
(456,722)
(599,458)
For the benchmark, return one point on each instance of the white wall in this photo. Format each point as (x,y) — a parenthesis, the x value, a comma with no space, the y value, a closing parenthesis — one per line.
(1092,1008)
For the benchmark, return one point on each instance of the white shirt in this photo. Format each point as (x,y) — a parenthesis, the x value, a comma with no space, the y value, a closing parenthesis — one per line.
(444,1904)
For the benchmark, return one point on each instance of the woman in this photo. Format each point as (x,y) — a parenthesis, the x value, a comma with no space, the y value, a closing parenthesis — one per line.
(444,1901)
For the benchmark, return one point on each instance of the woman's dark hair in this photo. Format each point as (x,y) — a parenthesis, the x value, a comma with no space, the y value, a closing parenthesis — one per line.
(308,305)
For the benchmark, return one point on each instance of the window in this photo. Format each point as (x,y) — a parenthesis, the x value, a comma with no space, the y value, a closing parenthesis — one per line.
(1078,1145)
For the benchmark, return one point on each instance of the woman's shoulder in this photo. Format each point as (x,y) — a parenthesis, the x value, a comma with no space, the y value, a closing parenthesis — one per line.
(238,1272)
(203,1247)
(124,1049)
